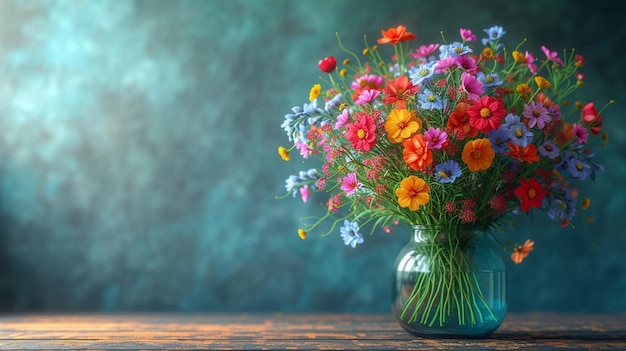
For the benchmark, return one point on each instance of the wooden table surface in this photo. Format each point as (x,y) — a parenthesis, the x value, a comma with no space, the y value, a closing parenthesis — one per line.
(282,331)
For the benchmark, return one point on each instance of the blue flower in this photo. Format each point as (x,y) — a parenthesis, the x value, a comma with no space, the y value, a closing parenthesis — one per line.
(489,80)
(549,149)
(517,131)
(498,138)
(423,72)
(493,34)
(429,101)
(453,50)
(332,103)
(578,169)
(298,123)
(350,233)
(447,172)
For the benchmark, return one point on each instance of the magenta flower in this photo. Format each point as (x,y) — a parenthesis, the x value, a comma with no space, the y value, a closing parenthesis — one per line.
(443,65)
(367,96)
(530,62)
(581,133)
(367,80)
(471,85)
(304,149)
(350,184)
(467,35)
(552,55)
(435,138)
(467,63)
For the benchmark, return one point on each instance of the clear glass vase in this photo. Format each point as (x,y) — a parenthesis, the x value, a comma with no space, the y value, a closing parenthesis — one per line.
(449,283)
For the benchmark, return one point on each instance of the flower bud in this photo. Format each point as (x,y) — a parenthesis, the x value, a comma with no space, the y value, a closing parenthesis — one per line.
(328,64)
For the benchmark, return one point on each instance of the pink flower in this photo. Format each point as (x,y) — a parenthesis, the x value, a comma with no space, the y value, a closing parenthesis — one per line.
(362,133)
(435,138)
(367,96)
(304,149)
(552,55)
(444,65)
(304,192)
(467,35)
(472,86)
(581,133)
(342,119)
(350,184)
(424,51)
(467,63)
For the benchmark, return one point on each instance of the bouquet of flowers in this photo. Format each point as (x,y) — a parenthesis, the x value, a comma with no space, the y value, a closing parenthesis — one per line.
(456,135)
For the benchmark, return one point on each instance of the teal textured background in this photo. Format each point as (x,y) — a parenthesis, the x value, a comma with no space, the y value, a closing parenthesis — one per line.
(138,165)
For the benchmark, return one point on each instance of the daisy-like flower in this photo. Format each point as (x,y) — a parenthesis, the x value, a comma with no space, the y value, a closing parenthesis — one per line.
(531,193)
(362,133)
(579,169)
(459,119)
(526,154)
(342,118)
(424,51)
(478,154)
(429,101)
(580,133)
(398,90)
(284,153)
(494,33)
(423,73)
(435,137)
(549,149)
(486,113)
(416,153)
(453,50)
(499,138)
(401,124)
(395,35)
(413,193)
(447,172)
(489,80)
(315,92)
(537,114)
(518,132)
(367,97)
(350,184)
(471,85)
(552,55)
(520,252)
(350,234)
(467,35)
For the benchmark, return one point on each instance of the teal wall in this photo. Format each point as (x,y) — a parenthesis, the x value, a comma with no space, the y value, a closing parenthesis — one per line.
(138,165)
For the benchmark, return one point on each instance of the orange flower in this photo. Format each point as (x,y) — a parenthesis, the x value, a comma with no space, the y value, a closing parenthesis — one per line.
(396,35)
(398,91)
(526,154)
(401,124)
(478,154)
(522,251)
(416,153)
(413,193)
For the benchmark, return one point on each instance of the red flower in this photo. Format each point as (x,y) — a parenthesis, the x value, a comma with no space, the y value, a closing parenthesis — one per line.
(531,193)
(486,113)
(395,35)
(591,118)
(328,64)
(459,119)
(362,133)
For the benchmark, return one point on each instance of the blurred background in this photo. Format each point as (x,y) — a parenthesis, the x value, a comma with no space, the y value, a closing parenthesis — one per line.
(138,164)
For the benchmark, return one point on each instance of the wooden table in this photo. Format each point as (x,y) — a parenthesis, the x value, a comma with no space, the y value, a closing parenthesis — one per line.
(280,331)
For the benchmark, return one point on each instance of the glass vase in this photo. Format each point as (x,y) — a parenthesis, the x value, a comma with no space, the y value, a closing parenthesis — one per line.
(449,283)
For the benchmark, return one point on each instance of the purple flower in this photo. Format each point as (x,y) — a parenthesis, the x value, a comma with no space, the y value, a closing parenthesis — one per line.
(549,149)
(517,131)
(435,138)
(552,55)
(350,233)
(447,172)
(537,114)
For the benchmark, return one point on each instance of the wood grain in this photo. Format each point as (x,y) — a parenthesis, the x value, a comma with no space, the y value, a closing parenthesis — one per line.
(280,331)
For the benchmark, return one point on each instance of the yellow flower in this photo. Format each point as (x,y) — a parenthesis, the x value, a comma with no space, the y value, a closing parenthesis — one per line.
(524,90)
(401,124)
(542,82)
(413,193)
(487,53)
(316,90)
(343,72)
(519,57)
(284,153)
(302,234)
